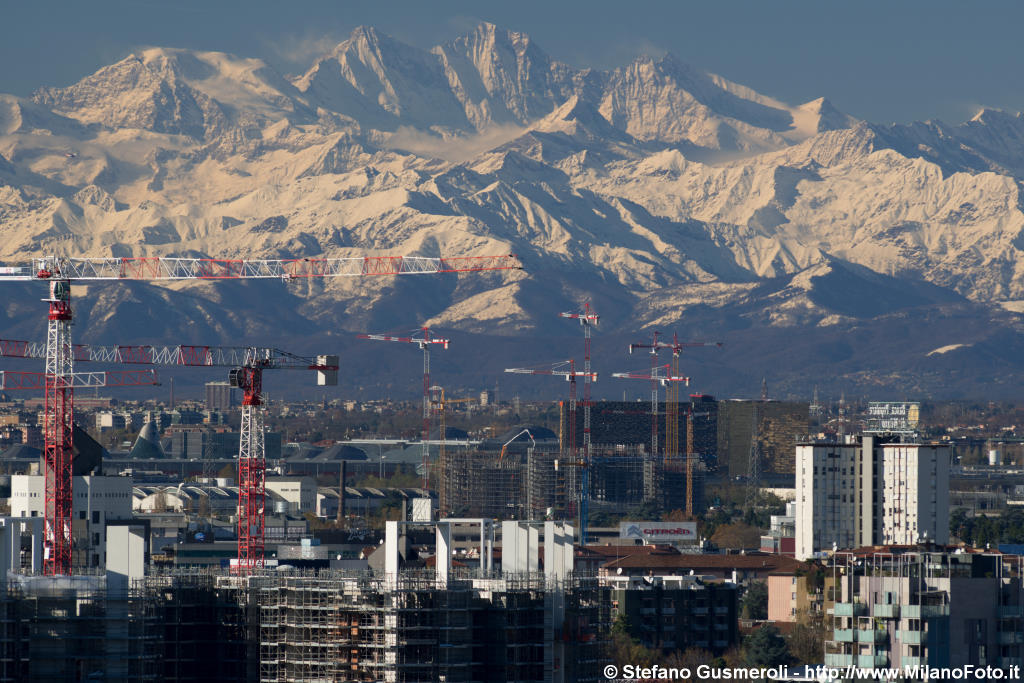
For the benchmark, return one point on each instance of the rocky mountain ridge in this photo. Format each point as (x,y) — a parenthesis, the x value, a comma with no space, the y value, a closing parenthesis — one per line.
(671,197)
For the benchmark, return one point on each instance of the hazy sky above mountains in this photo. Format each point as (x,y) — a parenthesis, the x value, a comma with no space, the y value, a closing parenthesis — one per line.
(883,61)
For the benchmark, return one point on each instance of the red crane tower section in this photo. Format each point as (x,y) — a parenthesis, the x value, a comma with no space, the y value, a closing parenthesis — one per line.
(558,370)
(425,343)
(58,427)
(656,378)
(61,271)
(588,318)
(248,364)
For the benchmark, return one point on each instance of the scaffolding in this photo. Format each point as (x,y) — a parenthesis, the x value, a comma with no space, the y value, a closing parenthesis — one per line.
(543,484)
(485,485)
(73,628)
(545,487)
(617,476)
(333,626)
(203,622)
(326,625)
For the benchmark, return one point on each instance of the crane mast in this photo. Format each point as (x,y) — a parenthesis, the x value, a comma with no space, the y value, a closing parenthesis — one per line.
(440,404)
(61,271)
(58,425)
(557,370)
(656,378)
(247,366)
(588,318)
(424,342)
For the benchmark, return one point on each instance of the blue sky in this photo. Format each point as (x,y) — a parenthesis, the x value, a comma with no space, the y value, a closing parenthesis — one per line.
(899,60)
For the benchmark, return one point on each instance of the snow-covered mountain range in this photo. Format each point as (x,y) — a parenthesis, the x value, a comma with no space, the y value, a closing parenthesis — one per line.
(822,249)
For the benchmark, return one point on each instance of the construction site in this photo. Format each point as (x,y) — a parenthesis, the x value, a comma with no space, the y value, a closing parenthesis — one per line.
(417,614)
(536,485)
(524,622)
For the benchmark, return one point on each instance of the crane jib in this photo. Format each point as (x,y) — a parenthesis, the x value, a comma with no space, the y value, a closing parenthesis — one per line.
(173,268)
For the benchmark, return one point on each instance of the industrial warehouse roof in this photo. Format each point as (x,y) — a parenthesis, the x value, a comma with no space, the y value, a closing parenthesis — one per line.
(517,441)
(686,562)
(220,497)
(367,492)
(20,451)
(337,452)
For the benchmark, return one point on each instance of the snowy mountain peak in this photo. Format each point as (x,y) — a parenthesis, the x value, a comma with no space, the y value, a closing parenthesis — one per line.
(657,188)
(579,118)
(820,115)
(383,83)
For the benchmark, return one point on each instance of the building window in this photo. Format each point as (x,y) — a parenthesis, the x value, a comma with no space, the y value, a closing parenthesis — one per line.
(95,516)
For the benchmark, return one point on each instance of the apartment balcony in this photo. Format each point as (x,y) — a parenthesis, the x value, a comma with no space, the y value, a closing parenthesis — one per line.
(911,637)
(912,661)
(872,635)
(886,611)
(850,609)
(871,661)
(925,611)
(722,609)
(698,610)
(1007,662)
(1010,611)
(838,660)
(1011,637)
(844,635)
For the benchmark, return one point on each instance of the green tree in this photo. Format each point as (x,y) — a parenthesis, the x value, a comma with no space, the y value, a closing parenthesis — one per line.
(807,639)
(755,600)
(626,649)
(737,535)
(765,647)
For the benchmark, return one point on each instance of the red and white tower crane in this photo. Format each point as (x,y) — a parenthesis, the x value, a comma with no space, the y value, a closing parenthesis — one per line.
(672,392)
(588,318)
(672,418)
(247,365)
(570,374)
(424,342)
(659,375)
(60,271)
(58,428)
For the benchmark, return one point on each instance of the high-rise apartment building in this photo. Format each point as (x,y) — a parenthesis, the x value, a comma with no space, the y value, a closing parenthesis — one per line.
(870,492)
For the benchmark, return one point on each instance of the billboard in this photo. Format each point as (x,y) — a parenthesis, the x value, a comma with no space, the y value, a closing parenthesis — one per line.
(659,532)
(893,418)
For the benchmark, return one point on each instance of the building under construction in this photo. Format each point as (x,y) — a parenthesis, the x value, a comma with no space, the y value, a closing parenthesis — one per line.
(535,485)
(356,628)
(779,425)
(626,424)
(526,622)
